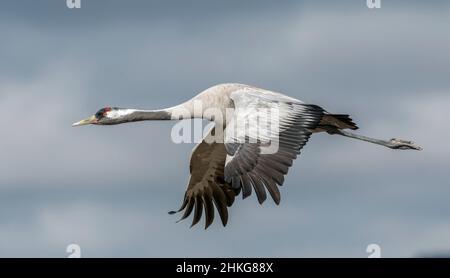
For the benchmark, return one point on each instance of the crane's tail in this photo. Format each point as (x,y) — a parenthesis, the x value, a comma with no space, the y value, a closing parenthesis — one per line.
(337,121)
(345,120)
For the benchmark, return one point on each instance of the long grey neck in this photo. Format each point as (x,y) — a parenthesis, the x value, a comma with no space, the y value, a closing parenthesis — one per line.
(179,112)
(147,115)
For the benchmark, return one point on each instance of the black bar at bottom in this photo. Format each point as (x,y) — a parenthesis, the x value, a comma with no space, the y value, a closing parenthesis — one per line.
(208,266)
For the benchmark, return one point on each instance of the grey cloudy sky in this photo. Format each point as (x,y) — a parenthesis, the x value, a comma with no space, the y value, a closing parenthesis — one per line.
(108,189)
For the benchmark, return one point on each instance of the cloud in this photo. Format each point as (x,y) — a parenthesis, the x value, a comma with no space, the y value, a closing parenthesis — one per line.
(39,146)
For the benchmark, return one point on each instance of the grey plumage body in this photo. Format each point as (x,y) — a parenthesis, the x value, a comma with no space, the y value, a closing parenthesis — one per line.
(221,170)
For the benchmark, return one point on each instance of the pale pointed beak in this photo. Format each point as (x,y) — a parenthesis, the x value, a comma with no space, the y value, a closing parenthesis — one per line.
(90,120)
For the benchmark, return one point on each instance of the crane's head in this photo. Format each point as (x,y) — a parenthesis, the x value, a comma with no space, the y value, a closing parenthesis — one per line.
(104,116)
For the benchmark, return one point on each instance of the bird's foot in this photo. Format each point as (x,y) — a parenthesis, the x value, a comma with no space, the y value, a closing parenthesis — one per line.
(395,143)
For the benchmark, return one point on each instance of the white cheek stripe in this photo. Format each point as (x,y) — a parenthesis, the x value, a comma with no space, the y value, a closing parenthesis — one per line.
(115,114)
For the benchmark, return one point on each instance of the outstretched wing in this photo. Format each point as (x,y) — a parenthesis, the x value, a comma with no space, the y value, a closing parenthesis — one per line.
(248,165)
(207,187)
